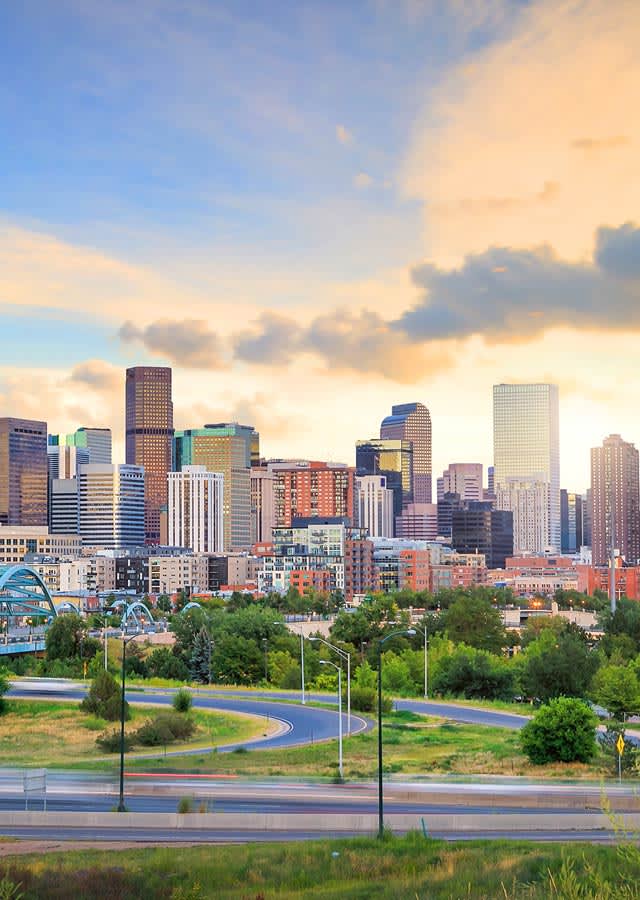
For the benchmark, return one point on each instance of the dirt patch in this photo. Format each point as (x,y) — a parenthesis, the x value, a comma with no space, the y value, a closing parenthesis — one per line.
(11,847)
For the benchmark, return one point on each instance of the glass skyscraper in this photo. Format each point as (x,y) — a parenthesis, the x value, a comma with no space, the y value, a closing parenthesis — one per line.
(526,446)
(23,472)
(412,422)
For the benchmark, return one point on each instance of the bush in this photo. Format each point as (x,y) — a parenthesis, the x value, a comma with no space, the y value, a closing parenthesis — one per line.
(185,805)
(365,699)
(182,701)
(4,686)
(474,674)
(109,741)
(104,698)
(564,730)
(165,728)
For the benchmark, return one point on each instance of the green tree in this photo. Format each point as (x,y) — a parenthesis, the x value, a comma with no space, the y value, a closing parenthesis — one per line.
(280,663)
(104,698)
(201,658)
(65,636)
(564,730)
(617,688)
(625,621)
(396,674)
(164,603)
(4,686)
(236,660)
(557,665)
(163,663)
(182,700)
(473,621)
(472,673)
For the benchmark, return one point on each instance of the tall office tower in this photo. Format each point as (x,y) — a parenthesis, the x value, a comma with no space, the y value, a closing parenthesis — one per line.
(394,460)
(312,490)
(529,503)
(23,472)
(481,529)
(63,460)
(63,506)
(374,505)
(464,479)
(111,507)
(96,441)
(586,518)
(615,500)
(412,422)
(571,521)
(526,447)
(248,432)
(491,481)
(149,433)
(263,508)
(195,509)
(446,505)
(226,449)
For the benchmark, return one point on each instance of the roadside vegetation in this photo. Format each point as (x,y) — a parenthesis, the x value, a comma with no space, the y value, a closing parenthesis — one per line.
(398,867)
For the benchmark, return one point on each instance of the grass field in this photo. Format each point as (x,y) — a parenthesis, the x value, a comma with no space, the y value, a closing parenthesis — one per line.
(359,869)
(412,745)
(52,734)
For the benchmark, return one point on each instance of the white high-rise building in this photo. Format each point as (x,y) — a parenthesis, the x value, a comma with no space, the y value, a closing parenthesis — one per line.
(526,447)
(464,479)
(374,505)
(263,505)
(529,503)
(111,505)
(195,518)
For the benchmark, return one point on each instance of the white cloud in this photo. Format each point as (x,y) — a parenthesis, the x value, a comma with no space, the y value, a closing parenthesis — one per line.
(363,180)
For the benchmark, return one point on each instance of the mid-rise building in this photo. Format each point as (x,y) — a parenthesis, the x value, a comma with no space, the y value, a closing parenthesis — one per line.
(196,509)
(478,528)
(412,422)
(374,505)
(63,506)
(418,522)
(95,442)
(16,542)
(23,472)
(226,449)
(446,505)
(149,434)
(392,459)
(464,479)
(111,506)
(615,500)
(312,490)
(170,574)
(263,509)
(528,501)
(63,460)
(526,448)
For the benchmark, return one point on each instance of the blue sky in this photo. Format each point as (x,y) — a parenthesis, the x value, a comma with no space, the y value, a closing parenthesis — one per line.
(306,179)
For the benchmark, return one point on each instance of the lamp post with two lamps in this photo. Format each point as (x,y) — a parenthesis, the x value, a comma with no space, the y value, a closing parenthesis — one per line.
(409,632)
(327,662)
(343,654)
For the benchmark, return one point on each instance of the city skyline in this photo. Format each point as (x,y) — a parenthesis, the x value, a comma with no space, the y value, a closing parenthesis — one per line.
(402,228)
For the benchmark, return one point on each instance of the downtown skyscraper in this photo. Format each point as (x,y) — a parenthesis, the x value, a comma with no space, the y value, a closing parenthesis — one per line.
(615,500)
(149,440)
(412,422)
(526,454)
(23,472)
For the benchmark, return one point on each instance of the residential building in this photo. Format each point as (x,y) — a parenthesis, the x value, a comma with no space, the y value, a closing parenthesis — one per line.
(478,528)
(526,449)
(401,564)
(226,449)
(392,459)
(132,574)
(528,500)
(312,490)
(23,472)
(90,573)
(16,542)
(186,572)
(111,505)
(571,521)
(263,507)
(374,505)
(615,500)
(149,434)
(195,513)
(412,422)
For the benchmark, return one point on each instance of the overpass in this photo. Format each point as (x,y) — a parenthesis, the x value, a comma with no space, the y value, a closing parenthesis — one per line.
(23,594)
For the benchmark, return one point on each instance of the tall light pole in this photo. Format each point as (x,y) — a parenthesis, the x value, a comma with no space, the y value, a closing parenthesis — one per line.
(125,641)
(327,662)
(426,670)
(265,644)
(303,698)
(409,632)
(343,654)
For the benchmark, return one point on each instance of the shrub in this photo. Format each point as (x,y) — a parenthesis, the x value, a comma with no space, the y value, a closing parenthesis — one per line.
(165,728)
(104,698)
(563,730)
(185,805)
(365,699)
(4,686)
(109,741)
(474,674)
(182,701)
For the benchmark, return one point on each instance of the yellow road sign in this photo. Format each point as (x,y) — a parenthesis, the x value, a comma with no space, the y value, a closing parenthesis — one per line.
(620,744)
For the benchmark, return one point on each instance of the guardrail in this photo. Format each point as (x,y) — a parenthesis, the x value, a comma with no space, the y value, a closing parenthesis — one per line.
(21,646)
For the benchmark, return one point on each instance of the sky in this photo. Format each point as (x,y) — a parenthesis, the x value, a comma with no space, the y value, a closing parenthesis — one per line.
(315,210)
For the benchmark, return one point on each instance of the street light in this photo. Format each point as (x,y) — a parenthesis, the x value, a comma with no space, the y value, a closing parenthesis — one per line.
(343,654)
(265,644)
(426,682)
(303,700)
(125,641)
(327,662)
(381,641)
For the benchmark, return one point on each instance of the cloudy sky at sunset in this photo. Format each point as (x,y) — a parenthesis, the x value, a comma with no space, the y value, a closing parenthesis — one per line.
(312,209)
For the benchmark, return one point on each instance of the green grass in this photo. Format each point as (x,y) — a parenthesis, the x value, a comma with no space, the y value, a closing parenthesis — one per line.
(358,869)
(56,734)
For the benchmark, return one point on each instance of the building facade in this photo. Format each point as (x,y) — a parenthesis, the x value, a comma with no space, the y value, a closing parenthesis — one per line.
(528,500)
(111,505)
(526,448)
(571,521)
(412,422)
(392,459)
(263,510)
(478,528)
(18,541)
(23,472)
(374,505)
(615,500)
(195,517)
(149,435)
(464,479)
(312,490)
(418,522)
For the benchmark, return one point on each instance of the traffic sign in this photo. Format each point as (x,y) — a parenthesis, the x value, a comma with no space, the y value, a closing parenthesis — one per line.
(620,744)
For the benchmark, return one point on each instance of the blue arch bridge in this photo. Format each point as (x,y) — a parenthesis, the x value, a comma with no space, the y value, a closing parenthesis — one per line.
(23,597)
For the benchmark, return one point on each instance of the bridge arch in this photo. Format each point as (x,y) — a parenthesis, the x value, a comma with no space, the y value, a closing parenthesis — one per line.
(24,593)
